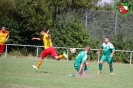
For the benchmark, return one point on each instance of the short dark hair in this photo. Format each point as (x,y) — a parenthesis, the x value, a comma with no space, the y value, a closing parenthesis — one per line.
(3,26)
(87,47)
(42,30)
(107,37)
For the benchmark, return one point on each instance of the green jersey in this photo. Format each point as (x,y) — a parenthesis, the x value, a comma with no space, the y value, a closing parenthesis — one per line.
(81,58)
(108,48)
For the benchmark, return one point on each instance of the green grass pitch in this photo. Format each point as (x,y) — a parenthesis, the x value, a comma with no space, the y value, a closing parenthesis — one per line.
(18,73)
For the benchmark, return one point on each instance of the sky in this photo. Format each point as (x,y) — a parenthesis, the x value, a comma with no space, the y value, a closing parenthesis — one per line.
(108,1)
(104,1)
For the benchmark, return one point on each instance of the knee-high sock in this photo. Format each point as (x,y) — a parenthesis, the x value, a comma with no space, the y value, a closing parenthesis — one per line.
(86,68)
(60,57)
(111,69)
(38,64)
(100,67)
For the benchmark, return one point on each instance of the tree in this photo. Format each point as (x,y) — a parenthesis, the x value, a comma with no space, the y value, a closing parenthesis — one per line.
(7,7)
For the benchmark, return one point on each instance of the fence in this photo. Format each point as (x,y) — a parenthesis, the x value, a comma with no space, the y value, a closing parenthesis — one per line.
(100,23)
(67,49)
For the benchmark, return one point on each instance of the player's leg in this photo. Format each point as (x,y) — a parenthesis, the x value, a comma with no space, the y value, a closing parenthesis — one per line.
(102,60)
(79,73)
(110,62)
(84,74)
(1,49)
(86,66)
(55,55)
(43,55)
(84,70)
(77,68)
(111,68)
(59,57)
(0,54)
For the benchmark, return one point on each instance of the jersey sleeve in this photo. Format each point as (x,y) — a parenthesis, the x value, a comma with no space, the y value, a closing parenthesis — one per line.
(46,35)
(102,46)
(8,34)
(84,59)
(112,47)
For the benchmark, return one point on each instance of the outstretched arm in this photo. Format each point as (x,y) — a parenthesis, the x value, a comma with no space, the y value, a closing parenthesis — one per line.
(81,71)
(81,68)
(99,51)
(112,54)
(36,39)
(7,38)
(48,31)
(113,50)
(49,36)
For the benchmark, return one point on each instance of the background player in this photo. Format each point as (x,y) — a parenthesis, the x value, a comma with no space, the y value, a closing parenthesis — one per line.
(4,36)
(109,51)
(48,48)
(80,63)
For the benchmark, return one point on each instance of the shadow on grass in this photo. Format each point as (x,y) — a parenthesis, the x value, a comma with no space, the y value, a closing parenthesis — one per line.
(45,72)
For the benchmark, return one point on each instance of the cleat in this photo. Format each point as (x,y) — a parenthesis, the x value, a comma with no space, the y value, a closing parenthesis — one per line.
(65,55)
(99,72)
(111,73)
(34,67)
(72,75)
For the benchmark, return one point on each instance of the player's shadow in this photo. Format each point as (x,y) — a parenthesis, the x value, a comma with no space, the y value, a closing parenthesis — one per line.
(45,72)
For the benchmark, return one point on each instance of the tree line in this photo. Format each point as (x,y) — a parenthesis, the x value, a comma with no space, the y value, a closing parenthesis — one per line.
(24,19)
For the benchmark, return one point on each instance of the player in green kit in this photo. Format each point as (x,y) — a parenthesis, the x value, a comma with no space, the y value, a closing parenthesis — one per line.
(80,63)
(109,51)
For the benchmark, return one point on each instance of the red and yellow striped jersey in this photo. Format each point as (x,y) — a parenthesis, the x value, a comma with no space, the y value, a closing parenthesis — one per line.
(3,36)
(47,41)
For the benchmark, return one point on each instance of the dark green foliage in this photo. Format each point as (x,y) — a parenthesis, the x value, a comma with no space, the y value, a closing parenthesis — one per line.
(13,28)
(66,20)
(70,34)
(122,44)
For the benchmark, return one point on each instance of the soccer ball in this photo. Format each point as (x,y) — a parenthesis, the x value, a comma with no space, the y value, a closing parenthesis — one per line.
(73,50)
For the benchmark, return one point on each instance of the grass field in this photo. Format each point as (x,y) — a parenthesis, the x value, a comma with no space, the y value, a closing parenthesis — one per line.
(18,73)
